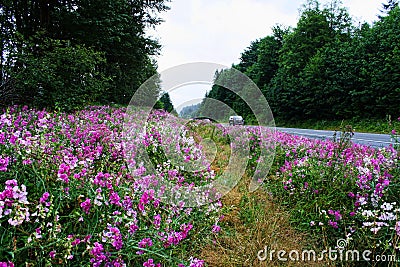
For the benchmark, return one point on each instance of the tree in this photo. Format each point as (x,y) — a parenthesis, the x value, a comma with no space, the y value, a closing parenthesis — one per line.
(312,32)
(118,29)
(113,28)
(189,112)
(249,57)
(386,8)
(65,77)
(383,64)
(166,103)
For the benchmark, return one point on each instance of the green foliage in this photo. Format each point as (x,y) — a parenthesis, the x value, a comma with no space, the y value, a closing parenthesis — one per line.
(63,77)
(325,68)
(383,63)
(111,30)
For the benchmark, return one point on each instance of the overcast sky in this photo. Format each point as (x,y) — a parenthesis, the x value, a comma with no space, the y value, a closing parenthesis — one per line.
(219,30)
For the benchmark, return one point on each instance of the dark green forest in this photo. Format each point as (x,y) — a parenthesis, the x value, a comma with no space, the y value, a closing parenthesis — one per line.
(66,54)
(327,67)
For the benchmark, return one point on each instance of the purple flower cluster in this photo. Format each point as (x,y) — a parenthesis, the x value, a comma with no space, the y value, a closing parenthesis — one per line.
(4,163)
(113,236)
(79,182)
(150,263)
(313,169)
(86,205)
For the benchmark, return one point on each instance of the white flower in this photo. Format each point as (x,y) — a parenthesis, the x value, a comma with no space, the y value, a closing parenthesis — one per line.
(367,213)
(375,229)
(362,200)
(387,216)
(367,224)
(386,206)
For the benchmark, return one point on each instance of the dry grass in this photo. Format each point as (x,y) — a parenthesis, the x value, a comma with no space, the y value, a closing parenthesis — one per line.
(252,222)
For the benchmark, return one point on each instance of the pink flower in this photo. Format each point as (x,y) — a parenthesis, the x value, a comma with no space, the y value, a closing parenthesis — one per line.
(145,242)
(86,205)
(333,224)
(75,242)
(115,199)
(194,262)
(44,197)
(397,228)
(52,254)
(149,263)
(305,185)
(4,163)
(157,221)
(216,228)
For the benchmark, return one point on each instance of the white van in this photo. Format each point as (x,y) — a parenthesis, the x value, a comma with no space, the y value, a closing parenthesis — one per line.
(236,120)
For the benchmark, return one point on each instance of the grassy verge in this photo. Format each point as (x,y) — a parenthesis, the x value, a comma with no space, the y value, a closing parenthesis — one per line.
(252,222)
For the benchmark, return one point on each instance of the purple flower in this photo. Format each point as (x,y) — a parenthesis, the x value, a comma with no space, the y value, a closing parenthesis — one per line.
(397,228)
(149,263)
(113,236)
(145,242)
(333,224)
(4,163)
(44,197)
(11,183)
(52,254)
(97,253)
(86,205)
(157,221)
(75,242)
(194,262)
(133,228)
(115,199)
(216,228)
(338,216)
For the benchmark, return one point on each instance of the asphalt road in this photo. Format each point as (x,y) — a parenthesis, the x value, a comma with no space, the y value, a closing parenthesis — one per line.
(374,140)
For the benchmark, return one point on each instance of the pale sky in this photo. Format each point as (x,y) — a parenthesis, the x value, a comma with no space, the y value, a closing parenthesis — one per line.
(218,31)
